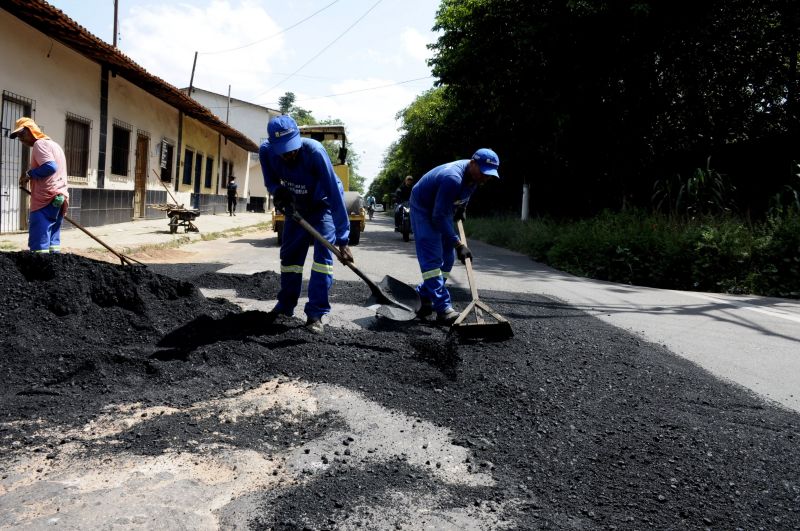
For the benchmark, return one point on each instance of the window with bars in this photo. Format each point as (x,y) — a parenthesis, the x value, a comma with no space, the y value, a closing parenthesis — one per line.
(167,156)
(76,147)
(120,148)
(227,171)
(198,168)
(188,164)
(209,172)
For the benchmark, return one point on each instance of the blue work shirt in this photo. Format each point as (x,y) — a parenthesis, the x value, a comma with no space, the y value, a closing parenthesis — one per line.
(438,192)
(312,181)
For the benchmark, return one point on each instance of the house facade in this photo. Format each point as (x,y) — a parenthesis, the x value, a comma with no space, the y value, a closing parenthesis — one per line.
(132,141)
(250,119)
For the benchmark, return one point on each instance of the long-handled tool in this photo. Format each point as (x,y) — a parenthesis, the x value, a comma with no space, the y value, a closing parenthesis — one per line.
(480,328)
(158,178)
(126,260)
(390,308)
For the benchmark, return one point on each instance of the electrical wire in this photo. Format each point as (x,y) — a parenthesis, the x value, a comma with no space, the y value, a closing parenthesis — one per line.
(323,50)
(271,36)
(339,93)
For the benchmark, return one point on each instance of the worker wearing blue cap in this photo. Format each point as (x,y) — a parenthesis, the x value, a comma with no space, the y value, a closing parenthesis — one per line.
(300,178)
(439,198)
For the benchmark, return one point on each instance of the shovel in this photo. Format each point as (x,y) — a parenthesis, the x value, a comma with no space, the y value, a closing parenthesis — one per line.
(498,328)
(390,308)
(124,259)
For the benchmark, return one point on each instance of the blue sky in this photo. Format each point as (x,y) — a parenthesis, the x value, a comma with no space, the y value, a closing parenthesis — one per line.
(361,61)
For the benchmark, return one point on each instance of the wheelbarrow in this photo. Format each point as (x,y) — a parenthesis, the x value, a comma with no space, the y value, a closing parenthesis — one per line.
(182,217)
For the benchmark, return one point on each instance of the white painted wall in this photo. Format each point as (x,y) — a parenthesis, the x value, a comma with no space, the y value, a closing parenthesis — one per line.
(250,119)
(142,111)
(59,81)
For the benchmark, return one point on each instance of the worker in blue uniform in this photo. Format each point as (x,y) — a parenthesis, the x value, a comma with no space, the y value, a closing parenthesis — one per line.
(439,198)
(299,175)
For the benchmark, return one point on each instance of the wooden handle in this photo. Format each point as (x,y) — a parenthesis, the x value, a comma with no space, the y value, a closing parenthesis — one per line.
(126,260)
(336,252)
(468,263)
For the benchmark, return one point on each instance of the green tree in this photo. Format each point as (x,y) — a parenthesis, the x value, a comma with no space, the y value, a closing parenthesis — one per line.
(592,102)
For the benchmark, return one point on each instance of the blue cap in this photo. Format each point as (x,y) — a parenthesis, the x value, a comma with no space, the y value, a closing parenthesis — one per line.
(488,161)
(283,134)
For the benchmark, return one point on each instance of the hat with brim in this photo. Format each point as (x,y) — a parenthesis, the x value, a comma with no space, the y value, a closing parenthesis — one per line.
(488,161)
(284,135)
(23,123)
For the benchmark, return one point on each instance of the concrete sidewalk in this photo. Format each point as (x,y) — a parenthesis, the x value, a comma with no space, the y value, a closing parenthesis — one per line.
(126,237)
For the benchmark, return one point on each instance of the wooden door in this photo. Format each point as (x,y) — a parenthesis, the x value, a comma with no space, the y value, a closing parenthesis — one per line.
(140,186)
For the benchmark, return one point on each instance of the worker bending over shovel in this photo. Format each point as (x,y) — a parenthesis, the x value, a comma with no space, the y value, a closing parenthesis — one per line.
(299,175)
(439,198)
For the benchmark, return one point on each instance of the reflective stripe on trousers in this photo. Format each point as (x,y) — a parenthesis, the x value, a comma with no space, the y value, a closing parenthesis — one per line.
(436,257)
(44,229)
(293,255)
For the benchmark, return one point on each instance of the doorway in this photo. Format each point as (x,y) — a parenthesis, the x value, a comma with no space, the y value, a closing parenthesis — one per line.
(140,175)
(14,157)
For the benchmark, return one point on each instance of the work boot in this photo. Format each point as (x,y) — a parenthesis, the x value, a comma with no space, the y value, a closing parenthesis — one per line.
(425,310)
(314,325)
(447,317)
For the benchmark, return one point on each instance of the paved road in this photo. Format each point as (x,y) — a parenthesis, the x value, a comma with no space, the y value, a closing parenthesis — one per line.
(751,341)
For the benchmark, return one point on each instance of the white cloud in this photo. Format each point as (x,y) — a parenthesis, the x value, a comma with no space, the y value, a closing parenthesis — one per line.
(415,44)
(164,37)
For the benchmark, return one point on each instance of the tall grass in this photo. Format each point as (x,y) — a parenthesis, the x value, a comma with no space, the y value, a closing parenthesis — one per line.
(711,253)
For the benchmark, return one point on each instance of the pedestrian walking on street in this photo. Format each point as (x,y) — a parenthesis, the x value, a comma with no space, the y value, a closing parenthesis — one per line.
(233,196)
(438,199)
(47,175)
(299,175)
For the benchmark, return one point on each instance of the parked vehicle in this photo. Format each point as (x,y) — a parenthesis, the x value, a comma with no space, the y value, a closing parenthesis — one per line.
(403,220)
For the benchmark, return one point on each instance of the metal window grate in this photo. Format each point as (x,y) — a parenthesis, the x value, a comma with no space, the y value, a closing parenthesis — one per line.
(121,148)
(167,154)
(209,172)
(76,147)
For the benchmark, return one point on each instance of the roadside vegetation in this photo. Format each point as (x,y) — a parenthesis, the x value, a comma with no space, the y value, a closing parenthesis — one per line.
(708,253)
(658,140)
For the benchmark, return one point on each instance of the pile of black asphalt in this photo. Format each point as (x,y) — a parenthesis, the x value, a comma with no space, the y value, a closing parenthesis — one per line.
(587,425)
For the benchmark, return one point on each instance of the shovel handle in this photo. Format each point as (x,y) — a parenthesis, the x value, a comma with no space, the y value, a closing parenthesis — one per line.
(468,262)
(332,248)
(126,260)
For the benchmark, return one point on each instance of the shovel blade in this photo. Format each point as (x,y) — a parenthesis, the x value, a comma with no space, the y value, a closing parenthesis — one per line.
(398,300)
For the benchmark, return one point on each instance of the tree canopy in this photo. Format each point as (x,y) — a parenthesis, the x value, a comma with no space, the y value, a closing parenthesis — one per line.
(593,104)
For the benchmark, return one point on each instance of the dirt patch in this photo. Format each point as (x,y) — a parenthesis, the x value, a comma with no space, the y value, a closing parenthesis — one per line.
(130,396)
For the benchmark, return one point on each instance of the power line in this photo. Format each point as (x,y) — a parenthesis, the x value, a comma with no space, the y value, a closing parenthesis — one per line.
(271,36)
(366,89)
(324,49)
(337,94)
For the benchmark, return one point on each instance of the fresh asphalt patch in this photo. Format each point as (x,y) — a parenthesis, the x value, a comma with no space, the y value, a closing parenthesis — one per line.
(130,399)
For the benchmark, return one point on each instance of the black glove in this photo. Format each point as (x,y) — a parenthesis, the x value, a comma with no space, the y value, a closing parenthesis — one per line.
(284,200)
(460,213)
(463,252)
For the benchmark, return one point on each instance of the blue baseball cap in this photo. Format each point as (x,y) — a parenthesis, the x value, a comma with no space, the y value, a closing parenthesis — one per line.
(488,161)
(284,136)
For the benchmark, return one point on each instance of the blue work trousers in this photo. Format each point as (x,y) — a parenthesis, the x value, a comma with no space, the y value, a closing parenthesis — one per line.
(436,255)
(293,256)
(44,230)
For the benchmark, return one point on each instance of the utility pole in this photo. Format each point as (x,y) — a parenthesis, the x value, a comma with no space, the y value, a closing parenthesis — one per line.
(180,128)
(116,18)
